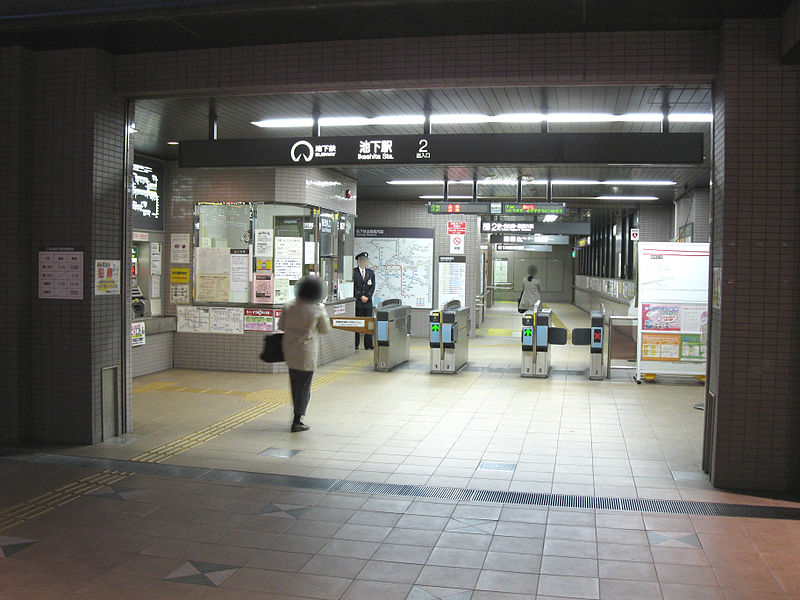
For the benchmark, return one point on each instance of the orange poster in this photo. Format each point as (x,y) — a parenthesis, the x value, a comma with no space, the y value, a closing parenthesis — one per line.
(661,346)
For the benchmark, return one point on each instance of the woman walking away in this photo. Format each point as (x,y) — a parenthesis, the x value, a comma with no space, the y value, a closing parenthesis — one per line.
(531,290)
(301,320)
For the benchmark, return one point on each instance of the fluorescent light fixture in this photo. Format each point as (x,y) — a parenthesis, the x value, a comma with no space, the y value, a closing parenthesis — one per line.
(690,117)
(576,182)
(287,123)
(461,118)
(398,120)
(639,118)
(428,182)
(579,118)
(550,218)
(173,143)
(626,197)
(519,118)
(653,182)
(342,121)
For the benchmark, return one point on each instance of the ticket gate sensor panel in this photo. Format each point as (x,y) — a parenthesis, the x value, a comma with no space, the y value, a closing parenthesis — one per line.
(449,338)
(393,326)
(528,351)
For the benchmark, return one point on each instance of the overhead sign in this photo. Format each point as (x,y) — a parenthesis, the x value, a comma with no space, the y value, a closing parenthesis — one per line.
(146,192)
(535,208)
(536,238)
(464,148)
(465,208)
(556,228)
(526,247)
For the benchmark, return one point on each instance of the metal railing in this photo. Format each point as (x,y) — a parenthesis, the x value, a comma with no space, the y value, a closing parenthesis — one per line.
(480,307)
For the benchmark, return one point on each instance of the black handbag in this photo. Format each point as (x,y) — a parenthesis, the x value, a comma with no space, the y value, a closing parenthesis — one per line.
(273,348)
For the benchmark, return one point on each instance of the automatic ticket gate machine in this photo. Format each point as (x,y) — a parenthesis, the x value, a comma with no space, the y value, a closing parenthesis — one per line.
(449,338)
(595,338)
(393,326)
(538,335)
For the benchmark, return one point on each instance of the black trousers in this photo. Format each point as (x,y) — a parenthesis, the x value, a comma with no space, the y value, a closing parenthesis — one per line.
(362,311)
(301,390)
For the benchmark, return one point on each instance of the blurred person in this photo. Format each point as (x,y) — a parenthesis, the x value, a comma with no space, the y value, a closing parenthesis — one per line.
(531,290)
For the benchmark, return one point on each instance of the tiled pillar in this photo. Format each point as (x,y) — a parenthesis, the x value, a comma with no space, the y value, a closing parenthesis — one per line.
(77,187)
(754,373)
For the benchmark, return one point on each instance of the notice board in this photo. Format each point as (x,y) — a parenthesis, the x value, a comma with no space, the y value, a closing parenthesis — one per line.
(673,309)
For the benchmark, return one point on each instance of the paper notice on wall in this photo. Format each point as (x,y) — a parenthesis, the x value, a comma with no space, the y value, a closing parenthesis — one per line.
(179,293)
(193,319)
(61,274)
(452,279)
(310,253)
(240,271)
(212,261)
(137,334)
(212,288)
(263,264)
(257,319)
(107,277)
(155,286)
(288,257)
(179,275)
(661,346)
(179,245)
(155,258)
(281,290)
(226,320)
(262,288)
(264,242)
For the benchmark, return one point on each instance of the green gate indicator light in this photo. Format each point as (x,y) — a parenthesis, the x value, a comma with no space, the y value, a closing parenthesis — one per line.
(435,327)
(527,332)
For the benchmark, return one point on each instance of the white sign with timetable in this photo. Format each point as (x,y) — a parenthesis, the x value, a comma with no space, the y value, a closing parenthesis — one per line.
(61,274)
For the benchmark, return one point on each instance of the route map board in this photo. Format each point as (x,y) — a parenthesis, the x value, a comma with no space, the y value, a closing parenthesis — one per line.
(402,258)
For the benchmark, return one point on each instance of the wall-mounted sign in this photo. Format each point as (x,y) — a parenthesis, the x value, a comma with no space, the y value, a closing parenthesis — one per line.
(61,274)
(178,275)
(463,148)
(137,334)
(634,235)
(106,277)
(146,193)
(452,279)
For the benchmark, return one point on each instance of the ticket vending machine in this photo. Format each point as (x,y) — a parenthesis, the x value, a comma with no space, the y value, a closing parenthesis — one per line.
(392,329)
(449,338)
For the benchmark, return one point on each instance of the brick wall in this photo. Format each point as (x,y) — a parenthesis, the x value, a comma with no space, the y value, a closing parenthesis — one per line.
(754,346)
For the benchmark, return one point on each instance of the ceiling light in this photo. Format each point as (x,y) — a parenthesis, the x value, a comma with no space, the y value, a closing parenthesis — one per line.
(398,120)
(173,143)
(461,118)
(626,197)
(653,182)
(550,218)
(428,182)
(519,118)
(576,182)
(342,121)
(279,123)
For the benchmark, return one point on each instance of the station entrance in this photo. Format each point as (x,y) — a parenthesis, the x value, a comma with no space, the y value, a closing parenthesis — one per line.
(569,188)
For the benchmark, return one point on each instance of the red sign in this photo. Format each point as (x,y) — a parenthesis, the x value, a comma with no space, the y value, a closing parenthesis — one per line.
(457,227)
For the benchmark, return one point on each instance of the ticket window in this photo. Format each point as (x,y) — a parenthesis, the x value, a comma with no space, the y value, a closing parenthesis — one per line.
(145,288)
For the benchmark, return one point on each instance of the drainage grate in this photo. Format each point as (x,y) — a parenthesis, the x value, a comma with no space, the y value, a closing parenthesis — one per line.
(684,507)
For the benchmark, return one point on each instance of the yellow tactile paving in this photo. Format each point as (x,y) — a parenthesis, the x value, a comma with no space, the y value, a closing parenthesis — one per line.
(169,386)
(30,509)
(267,400)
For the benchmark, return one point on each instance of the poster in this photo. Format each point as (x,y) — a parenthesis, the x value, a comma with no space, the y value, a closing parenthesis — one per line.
(226,320)
(281,291)
(61,274)
(452,279)
(107,280)
(693,347)
(262,287)
(263,239)
(240,271)
(257,319)
(212,288)
(500,270)
(193,319)
(288,262)
(694,317)
(155,286)
(179,293)
(212,261)
(137,334)
(179,248)
(661,317)
(155,258)
(716,287)
(457,243)
(661,346)
(263,264)
(310,253)
(178,275)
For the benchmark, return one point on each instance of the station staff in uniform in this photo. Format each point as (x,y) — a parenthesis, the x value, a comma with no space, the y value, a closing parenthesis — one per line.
(363,289)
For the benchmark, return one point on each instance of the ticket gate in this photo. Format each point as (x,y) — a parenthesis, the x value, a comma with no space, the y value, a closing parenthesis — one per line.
(595,338)
(393,326)
(449,338)
(538,335)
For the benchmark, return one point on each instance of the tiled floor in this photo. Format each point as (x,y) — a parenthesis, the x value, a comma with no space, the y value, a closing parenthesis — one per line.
(146,536)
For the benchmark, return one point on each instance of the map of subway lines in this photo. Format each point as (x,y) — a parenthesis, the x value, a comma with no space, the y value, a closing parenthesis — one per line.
(403,268)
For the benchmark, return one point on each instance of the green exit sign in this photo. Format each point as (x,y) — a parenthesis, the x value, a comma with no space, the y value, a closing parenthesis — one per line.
(435,327)
(527,332)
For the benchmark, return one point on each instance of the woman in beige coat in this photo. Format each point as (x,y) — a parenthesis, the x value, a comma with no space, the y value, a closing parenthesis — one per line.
(301,320)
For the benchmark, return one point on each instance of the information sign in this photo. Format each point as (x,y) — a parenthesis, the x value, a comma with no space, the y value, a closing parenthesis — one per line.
(61,274)
(137,334)
(452,279)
